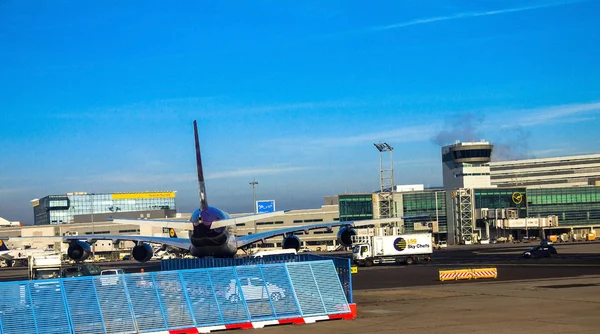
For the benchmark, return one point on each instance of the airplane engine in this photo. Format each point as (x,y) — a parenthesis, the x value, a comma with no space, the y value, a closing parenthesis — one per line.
(291,242)
(142,252)
(79,250)
(345,236)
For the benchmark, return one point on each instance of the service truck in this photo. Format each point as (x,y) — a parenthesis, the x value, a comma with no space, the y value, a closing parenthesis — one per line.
(44,266)
(401,248)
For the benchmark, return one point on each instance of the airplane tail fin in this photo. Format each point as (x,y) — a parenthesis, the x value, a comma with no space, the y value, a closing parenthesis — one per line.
(3,246)
(202,188)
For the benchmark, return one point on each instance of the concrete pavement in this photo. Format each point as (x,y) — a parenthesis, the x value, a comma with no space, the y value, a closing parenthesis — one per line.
(569,305)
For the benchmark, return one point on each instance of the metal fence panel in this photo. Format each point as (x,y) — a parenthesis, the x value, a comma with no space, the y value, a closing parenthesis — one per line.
(229,296)
(144,300)
(114,304)
(342,265)
(49,307)
(282,293)
(173,299)
(82,301)
(305,287)
(17,314)
(332,295)
(257,293)
(203,301)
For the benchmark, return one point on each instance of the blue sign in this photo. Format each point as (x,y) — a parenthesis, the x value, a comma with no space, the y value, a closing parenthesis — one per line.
(265,206)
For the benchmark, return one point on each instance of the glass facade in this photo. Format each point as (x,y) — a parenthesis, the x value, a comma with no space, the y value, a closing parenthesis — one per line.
(573,205)
(60,209)
(356,207)
(502,198)
(431,203)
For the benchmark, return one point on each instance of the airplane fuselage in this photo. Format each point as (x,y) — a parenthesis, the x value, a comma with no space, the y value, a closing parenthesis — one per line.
(211,242)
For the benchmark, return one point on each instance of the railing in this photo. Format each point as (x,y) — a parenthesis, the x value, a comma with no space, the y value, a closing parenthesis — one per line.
(170,300)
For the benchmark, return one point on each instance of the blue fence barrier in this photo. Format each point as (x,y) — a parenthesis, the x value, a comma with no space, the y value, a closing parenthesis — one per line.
(343,266)
(171,300)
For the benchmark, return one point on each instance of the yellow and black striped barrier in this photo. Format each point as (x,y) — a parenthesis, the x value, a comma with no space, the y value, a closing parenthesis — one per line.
(474,273)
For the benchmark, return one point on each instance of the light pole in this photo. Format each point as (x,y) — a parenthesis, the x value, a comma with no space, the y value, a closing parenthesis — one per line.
(93,232)
(253,183)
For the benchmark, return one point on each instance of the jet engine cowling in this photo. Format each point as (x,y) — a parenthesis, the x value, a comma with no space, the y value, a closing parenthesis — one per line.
(79,250)
(142,252)
(291,242)
(345,236)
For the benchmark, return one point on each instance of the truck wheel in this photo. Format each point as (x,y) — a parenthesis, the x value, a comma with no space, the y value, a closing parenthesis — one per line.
(409,261)
(368,262)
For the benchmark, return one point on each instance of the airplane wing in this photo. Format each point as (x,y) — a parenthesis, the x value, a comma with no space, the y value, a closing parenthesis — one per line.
(250,239)
(214,225)
(245,219)
(138,221)
(183,243)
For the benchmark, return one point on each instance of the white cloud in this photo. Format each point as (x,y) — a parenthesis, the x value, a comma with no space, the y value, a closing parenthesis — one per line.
(177,178)
(568,113)
(203,107)
(400,135)
(456,16)
(255,171)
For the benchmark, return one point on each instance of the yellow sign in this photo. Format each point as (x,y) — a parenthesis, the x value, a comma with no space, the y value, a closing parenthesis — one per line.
(171,232)
(168,194)
(354,270)
(1,243)
(517,197)
(453,194)
(35,203)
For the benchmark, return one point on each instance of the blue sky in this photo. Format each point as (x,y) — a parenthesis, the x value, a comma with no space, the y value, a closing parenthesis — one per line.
(100,97)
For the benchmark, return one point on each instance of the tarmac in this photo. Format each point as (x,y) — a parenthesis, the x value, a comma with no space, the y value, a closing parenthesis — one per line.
(559,294)
(564,305)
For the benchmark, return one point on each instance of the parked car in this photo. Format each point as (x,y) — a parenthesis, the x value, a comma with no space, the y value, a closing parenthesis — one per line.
(253,289)
(540,251)
(112,272)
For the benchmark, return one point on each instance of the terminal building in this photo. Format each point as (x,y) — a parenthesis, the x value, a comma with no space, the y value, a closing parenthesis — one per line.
(519,199)
(556,172)
(81,207)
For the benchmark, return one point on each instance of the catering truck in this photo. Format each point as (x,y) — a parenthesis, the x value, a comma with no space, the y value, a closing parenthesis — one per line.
(402,248)
(44,266)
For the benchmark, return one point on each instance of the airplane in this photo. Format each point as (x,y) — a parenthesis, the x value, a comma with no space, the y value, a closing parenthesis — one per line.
(210,236)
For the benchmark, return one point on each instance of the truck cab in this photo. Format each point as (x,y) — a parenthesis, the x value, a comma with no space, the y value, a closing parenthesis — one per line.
(360,252)
(44,267)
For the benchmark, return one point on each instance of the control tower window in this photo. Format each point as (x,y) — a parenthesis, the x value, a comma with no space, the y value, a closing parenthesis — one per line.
(464,154)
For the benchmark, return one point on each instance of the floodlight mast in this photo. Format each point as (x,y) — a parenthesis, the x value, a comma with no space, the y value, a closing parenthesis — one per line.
(386,181)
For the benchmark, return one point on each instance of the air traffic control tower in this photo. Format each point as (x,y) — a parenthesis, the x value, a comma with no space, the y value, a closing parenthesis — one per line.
(465,166)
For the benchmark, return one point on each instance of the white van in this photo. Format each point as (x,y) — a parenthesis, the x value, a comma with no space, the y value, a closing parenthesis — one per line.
(274,252)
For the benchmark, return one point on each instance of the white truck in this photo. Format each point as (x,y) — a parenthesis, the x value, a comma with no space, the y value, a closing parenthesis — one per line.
(44,266)
(402,248)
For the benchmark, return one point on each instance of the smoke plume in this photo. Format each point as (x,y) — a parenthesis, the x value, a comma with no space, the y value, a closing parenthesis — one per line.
(462,127)
(513,146)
